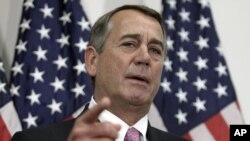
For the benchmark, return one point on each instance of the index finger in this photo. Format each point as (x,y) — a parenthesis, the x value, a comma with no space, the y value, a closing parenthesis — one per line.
(92,114)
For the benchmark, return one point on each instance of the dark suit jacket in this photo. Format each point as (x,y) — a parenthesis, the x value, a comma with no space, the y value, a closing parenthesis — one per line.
(61,131)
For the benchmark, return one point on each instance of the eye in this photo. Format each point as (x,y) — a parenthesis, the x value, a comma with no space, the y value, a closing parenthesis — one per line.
(129,44)
(155,50)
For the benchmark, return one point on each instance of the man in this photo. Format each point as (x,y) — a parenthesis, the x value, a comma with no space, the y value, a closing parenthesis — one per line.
(125,59)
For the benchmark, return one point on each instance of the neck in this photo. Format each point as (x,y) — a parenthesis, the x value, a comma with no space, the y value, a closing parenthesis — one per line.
(128,112)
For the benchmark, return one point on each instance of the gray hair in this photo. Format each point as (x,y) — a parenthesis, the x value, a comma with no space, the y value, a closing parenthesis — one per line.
(102,27)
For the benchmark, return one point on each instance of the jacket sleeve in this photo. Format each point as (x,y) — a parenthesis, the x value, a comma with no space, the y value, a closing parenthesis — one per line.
(22,136)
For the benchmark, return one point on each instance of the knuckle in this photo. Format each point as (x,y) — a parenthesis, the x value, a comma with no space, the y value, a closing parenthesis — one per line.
(107,128)
(107,139)
(77,132)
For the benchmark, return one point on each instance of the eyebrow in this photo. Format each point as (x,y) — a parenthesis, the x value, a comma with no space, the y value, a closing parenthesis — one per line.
(133,36)
(138,36)
(156,41)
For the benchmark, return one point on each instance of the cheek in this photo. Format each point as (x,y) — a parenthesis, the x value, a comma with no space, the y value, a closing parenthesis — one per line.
(157,74)
(111,67)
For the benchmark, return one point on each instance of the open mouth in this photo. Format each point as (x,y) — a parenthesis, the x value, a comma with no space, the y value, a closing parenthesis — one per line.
(139,78)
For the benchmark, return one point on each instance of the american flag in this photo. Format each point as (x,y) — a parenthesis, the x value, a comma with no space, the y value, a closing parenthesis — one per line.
(48,77)
(9,122)
(196,98)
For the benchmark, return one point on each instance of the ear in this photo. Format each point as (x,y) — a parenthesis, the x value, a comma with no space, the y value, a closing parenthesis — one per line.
(91,57)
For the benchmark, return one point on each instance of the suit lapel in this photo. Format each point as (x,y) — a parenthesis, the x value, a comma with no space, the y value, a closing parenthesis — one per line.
(151,134)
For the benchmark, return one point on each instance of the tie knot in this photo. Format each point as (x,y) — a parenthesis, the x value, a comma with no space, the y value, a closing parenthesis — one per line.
(132,135)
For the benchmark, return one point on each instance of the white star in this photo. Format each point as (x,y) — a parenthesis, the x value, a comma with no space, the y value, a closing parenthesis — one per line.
(28,4)
(168,64)
(47,11)
(85,25)
(203,22)
(202,42)
(184,15)
(182,75)
(64,40)
(80,67)
(21,46)
(220,90)
(2,87)
(17,68)
(199,105)
(165,85)
(181,95)
(172,4)
(182,55)
(204,3)
(78,90)
(57,84)
(170,22)
(1,66)
(44,32)
(65,18)
(170,43)
(30,120)
(34,97)
(201,63)
(25,25)
(181,116)
(40,54)
(200,84)
(14,90)
(183,35)
(81,45)
(55,107)
(61,62)
(37,75)
(221,69)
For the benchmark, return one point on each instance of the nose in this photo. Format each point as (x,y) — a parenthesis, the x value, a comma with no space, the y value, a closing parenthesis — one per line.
(142,56)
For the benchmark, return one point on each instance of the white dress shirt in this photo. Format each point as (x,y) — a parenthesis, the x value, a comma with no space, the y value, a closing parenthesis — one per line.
(141,125)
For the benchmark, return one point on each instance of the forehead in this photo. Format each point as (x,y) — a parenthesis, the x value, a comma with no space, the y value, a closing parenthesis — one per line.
(130,15)
(130,20)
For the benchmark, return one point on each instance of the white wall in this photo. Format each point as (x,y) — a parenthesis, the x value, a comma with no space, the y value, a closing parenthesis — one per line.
(232,20)
(233,25)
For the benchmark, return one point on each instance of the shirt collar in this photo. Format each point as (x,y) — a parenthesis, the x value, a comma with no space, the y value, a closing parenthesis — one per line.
(141,125)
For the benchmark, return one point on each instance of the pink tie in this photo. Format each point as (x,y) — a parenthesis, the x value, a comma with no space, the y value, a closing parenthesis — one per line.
(132,135)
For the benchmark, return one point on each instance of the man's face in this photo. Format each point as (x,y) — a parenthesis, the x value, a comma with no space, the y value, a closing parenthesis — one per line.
(129,68)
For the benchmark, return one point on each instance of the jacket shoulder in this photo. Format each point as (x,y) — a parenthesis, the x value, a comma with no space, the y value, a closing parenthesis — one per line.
(156,134)
(53,132)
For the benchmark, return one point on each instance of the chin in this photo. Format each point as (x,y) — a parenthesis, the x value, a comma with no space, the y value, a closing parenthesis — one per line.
(138,98)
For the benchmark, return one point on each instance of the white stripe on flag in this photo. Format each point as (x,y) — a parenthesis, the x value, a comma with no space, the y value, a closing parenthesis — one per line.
(201,132)
(78,111)
(10,118)
(155,118)
(232,114)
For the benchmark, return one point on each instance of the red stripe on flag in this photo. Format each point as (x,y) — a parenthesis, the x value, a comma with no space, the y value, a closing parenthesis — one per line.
(69,118)
(218,128)
(4,133)
(187,136)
